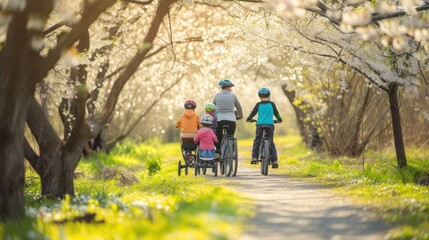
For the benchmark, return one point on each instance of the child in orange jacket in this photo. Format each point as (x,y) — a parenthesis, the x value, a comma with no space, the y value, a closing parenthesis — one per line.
(189,121)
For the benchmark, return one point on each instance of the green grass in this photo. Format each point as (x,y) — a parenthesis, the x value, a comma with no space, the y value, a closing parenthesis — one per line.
(161,205)
(372,180)
(155,203)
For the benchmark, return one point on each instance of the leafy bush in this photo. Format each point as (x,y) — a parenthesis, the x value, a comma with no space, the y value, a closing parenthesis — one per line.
(153,165)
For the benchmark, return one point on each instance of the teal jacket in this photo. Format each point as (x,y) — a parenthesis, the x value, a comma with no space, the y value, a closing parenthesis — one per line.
(265,110)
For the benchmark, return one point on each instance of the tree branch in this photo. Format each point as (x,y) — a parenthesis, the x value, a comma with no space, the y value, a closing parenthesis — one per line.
(139,2)
(133,65)
(31,156)
(124,134)
(378,17)
(91,13)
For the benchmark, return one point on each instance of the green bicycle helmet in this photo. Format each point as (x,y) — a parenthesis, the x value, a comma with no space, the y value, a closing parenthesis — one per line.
(210,107)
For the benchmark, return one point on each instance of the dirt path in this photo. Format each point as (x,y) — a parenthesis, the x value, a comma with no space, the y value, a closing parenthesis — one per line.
(292,209)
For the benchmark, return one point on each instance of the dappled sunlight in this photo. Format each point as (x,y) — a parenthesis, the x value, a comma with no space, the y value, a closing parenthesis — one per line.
(91,91)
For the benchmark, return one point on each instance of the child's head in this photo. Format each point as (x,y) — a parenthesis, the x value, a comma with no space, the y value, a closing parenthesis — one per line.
(210,108)
(206,120)
(189,104)
(264,93)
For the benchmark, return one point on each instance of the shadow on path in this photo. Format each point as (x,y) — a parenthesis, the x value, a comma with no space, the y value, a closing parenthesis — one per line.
(292,209)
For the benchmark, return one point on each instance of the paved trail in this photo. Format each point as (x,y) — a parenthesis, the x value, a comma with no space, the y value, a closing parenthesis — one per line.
(293,209)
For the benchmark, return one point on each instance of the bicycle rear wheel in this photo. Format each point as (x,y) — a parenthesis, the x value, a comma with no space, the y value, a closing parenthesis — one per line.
(179,168)
(222,156)
(265,157)
(228,159)
(197,169)
(215,169)
(235,158)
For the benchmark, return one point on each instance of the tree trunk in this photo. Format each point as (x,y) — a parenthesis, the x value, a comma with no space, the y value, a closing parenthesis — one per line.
(16,88)
(57,162)
(396,124)
(300,116)
(11,148)
(307,130)
(21,68)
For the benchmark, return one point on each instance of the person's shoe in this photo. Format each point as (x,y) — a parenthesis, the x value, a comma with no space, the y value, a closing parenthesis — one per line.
(275,164)
(254,161)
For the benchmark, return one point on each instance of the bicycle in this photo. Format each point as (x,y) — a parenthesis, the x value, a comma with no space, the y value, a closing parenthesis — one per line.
(264,155)
(228,154)
(202,164)
(189,154)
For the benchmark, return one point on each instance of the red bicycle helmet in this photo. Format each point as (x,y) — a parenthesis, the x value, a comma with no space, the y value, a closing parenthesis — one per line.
(189,104)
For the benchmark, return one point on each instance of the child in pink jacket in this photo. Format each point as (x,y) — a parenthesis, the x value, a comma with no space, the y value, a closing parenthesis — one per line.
(207,138)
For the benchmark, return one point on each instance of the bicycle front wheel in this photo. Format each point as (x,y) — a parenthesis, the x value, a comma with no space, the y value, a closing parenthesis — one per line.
(265,157)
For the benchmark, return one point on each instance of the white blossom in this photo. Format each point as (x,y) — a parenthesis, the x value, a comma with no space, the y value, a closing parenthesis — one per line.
(421,35)
(367,32)
(410,6)
(37,43)
(392,28)
(386,7)
(399,43)
(16,5)
(357,17)
(35,23)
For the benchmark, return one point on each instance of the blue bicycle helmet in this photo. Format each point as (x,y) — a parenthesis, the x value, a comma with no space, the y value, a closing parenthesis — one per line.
(225,83)
(264,92)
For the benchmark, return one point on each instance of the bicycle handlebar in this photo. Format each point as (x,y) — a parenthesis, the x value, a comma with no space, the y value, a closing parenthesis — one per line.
(253,120)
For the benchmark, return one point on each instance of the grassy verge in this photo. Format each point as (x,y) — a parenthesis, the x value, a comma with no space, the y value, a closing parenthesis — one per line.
(133,193)
(372,180)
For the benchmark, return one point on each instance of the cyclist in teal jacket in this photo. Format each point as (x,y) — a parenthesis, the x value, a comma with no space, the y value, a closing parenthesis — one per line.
(265,109)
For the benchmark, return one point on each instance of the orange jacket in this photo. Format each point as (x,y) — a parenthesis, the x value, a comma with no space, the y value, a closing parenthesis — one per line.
(189,122)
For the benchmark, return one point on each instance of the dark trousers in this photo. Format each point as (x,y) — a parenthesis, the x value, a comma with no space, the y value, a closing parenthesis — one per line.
(257,142)
(231,131)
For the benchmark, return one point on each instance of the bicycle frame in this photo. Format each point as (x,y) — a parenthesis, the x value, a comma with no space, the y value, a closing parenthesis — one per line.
(264,153)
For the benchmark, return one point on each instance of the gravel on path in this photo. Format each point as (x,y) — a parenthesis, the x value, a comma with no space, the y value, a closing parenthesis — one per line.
(297,209)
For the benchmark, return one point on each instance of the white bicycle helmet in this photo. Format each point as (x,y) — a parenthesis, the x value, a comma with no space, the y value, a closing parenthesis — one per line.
(206,119)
